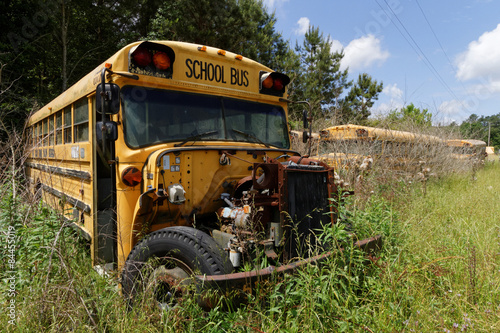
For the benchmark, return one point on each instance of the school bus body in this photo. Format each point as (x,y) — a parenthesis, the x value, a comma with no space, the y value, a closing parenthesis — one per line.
(345,146)
(184,150)
(466,149)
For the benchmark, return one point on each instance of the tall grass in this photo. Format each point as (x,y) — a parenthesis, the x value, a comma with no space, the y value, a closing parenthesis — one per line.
(454,246)
(439,269)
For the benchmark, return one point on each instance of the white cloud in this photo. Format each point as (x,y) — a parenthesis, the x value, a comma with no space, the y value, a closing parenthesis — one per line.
(383,108)
(451,108)
(335,45)
(270,4)
(393,91)
(303,25)
(363,52)
(451,111)
(482,58)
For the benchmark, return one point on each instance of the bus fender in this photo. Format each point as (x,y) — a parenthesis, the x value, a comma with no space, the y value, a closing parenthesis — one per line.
(143,216)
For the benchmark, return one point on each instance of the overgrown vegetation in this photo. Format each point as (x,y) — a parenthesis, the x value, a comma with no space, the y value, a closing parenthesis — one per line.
(438,270)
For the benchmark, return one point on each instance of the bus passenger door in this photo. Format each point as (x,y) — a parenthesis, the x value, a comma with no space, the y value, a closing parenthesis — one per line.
(105,241)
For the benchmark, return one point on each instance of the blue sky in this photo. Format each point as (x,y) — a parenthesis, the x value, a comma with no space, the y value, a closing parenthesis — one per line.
(441,55)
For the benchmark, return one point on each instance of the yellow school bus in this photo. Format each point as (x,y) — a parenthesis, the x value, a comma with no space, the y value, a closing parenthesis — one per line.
(466,149)
(180,152)
(345,146)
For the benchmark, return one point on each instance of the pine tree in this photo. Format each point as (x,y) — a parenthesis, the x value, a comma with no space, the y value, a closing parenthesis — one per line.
(361,97)
(320,81)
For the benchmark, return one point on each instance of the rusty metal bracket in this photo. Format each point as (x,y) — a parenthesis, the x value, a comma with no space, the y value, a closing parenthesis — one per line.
(243,281)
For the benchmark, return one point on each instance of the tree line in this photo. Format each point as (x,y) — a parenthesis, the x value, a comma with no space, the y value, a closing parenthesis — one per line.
(49,45)
(486,128)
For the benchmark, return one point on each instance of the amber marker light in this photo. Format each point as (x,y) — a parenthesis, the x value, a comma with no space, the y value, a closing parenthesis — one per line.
(131,176)
(202,48)
(268,82)
(161,60)
(221,52)
(239,57)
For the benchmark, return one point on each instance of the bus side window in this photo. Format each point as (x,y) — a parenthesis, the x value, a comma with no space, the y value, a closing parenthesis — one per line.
(51,130)
(38,142)
(44,132)
(67,124)
(59,128)
(81,120)
(31,136)
(387,147)
(398,148)
(376,148)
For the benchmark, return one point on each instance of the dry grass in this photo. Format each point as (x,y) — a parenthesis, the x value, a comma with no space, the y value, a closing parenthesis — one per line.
(366,168)
(438,270)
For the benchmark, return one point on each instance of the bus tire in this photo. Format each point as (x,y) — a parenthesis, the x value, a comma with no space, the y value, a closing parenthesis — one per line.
(163,263)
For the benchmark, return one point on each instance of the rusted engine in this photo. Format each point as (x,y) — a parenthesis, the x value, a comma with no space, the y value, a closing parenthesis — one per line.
(279,210)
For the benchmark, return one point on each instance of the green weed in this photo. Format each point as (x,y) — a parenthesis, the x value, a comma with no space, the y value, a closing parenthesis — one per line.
(438,270)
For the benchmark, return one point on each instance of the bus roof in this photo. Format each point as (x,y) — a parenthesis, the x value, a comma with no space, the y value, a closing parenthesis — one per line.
(351,131)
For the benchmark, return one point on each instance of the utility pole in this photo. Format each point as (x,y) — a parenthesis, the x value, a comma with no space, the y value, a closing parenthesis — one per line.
(489,132)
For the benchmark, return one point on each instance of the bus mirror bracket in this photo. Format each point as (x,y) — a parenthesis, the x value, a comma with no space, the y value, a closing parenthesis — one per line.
(108,94)
(108,129)
(108,99)
(305,136)
(307,121)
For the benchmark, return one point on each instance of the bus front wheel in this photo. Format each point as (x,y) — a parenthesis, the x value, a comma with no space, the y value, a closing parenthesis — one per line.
(163,263)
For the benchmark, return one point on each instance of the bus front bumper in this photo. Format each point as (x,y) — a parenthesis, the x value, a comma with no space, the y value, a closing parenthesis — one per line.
(246,281)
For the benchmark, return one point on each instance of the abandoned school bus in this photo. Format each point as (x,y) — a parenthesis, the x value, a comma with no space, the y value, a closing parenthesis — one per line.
(345,146)
(466,149)
(181,152)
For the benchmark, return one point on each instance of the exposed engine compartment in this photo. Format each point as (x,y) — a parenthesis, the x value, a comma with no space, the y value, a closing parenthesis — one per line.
(278,209)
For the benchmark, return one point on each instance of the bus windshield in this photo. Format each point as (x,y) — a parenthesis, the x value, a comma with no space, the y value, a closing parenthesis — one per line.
(153,116)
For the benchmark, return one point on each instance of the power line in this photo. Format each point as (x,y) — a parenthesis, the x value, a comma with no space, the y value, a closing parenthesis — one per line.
(432,68)
(432,30)
(416,48)
(440,45)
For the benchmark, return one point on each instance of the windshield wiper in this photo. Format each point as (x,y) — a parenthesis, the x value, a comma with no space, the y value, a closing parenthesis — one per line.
(195,138)
(251,136)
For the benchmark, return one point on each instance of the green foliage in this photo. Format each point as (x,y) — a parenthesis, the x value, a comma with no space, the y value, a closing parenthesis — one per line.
(482,128)
(361,97)
(243,27)
(411,114)
(46,46)
(320,80)
(437,271)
